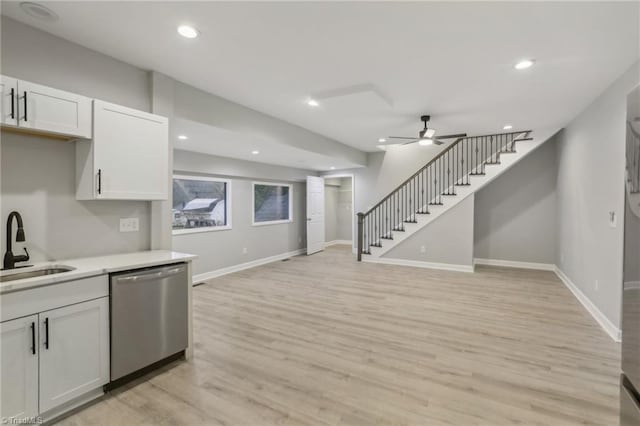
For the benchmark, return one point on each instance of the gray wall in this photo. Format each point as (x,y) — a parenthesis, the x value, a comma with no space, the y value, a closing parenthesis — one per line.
(221,249)
(591,168)
(38,180)
(31,54)
(448,239)
(38,174)
(338,209)
(515,215)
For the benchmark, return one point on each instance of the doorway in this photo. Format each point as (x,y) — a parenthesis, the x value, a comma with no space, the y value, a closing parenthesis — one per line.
(338,206)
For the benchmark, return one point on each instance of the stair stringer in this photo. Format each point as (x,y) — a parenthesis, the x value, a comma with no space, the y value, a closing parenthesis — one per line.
(492,171)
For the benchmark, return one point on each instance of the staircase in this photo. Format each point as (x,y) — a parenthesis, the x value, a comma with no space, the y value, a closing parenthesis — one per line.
(461,169)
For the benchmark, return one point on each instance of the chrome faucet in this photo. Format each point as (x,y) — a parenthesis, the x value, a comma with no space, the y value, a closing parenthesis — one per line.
(9,258)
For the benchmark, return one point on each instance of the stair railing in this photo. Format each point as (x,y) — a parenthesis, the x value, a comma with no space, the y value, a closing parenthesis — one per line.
(452,167)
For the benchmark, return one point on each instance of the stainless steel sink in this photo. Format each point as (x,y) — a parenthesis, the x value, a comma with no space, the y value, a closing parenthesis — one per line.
(36,272)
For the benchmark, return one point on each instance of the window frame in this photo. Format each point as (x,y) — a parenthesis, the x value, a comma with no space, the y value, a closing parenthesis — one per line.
(253,204)
(227,205)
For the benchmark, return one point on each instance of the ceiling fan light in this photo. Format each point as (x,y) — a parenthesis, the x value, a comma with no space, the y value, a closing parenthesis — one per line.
(425,142)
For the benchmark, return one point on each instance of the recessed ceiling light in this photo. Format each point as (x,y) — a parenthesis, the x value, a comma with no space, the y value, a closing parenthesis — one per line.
(312,102)
(187,31)
(508,127)
(255,152)
(524,64)
(382,140)
(332,167)
(39,11)
(183,137)
(425,142)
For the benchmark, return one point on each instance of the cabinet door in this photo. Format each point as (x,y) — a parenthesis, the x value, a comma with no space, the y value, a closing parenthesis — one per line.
(131,153)
(74,351)
(19,367)
(50,110)
(8,105)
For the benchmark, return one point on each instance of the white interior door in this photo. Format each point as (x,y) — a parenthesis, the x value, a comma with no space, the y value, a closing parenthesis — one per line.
(315,214)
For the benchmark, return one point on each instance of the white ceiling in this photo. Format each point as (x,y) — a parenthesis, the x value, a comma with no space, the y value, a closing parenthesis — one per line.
(453,60)
(212,140)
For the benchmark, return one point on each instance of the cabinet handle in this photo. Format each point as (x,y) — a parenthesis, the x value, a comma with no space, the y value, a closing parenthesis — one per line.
(99,181)
(13,103)
(33,338)
(46,333)
(25,105)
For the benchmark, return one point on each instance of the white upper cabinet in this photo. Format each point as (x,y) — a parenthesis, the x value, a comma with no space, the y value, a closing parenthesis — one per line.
(50,110)
(74,351)
(19,368)
(128,158)
(9,104)
(42,109)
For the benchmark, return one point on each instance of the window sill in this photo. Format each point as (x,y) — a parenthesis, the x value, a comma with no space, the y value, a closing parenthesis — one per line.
(198,230)
(273,222)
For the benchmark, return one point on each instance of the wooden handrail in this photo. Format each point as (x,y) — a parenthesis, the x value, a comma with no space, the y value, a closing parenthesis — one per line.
(441,154)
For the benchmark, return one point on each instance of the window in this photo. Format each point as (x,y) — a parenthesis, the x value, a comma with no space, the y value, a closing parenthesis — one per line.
(271,203)
(200,204)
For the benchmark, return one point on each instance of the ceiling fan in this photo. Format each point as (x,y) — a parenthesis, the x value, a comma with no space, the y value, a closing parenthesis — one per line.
(426,136)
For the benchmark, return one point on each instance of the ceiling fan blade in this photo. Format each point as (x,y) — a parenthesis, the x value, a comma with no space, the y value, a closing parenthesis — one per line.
(389,142)
(413,141)
(458,135)
(438,142)
(399,137)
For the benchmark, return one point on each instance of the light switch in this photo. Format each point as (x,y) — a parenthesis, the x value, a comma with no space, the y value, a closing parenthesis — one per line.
(129,224)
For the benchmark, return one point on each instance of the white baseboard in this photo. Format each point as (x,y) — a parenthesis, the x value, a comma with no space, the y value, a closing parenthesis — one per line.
(418,264)
(515,264)
(614,332)
(248,265)
(336,242)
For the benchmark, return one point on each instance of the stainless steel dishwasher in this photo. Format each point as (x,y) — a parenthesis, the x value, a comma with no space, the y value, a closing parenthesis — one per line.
(148,317)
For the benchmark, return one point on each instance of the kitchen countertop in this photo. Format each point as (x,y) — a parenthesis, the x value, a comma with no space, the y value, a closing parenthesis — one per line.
(91,266)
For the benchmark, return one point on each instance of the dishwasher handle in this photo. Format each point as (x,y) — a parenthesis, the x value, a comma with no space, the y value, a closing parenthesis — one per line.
(152,275)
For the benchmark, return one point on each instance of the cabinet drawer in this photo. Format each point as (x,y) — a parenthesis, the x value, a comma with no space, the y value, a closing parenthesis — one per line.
(27,302)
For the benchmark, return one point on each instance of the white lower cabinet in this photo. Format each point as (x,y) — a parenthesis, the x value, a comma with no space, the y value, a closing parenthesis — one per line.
(54,347)
(19,368)
(74,351)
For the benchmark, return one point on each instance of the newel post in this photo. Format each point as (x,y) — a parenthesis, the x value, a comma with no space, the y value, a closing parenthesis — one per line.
(360,231)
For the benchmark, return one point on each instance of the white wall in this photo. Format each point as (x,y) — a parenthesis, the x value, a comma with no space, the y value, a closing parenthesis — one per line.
(515,215)
(38,180)
(38,174)
(222,249)
(448,239)
(591,156)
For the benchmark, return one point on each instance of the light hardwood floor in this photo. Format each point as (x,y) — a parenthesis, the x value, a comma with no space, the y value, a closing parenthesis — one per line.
(326,340)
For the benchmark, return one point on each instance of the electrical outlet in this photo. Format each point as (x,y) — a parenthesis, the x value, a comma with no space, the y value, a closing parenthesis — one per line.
(613,221)
(129,224)
(244,250)
(596,285)
(423,249)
